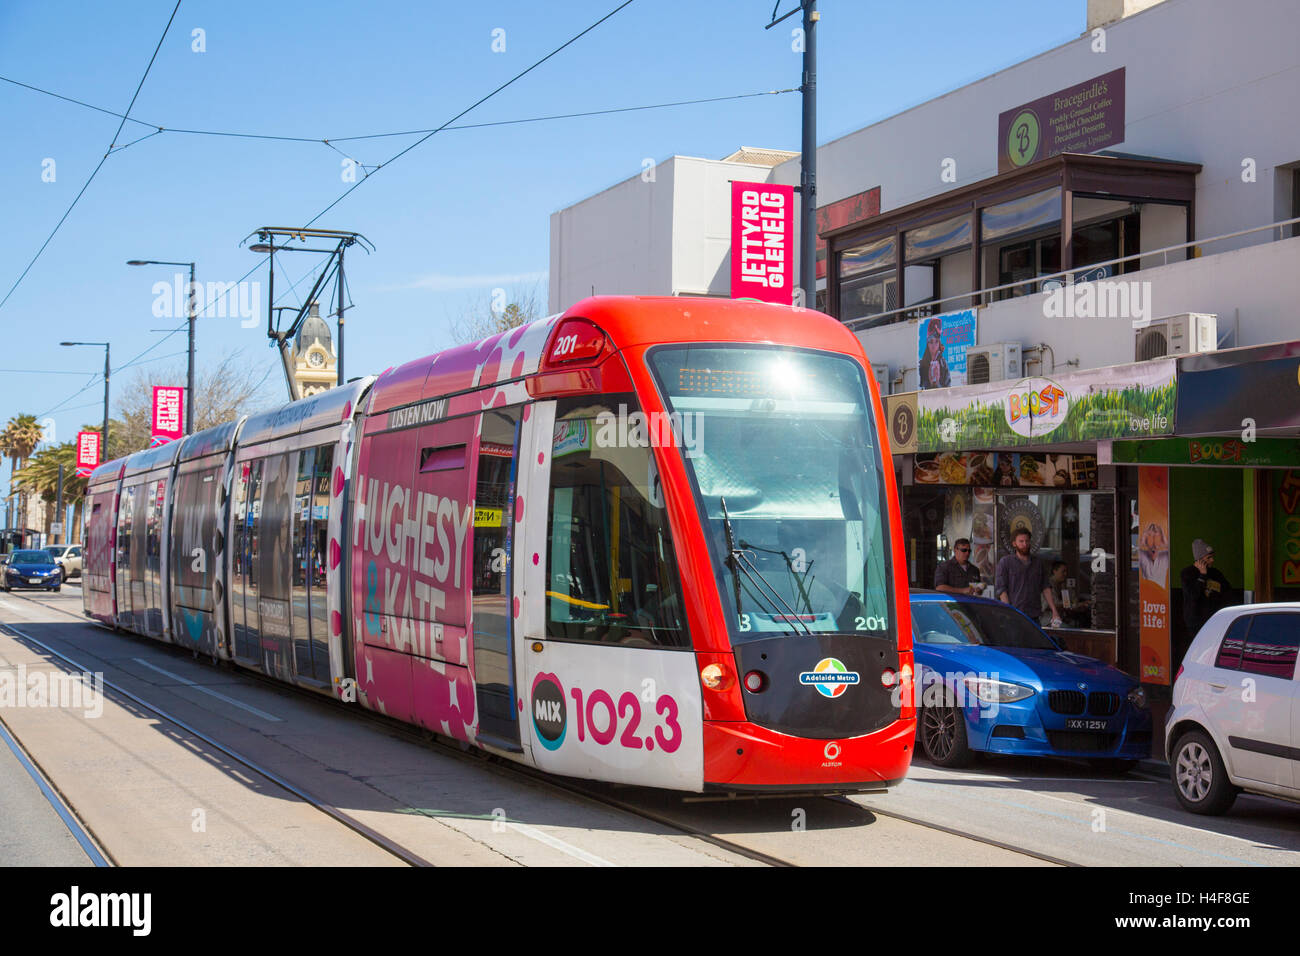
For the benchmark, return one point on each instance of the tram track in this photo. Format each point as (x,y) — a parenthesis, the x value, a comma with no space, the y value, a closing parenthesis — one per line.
(592,793)
(339,816)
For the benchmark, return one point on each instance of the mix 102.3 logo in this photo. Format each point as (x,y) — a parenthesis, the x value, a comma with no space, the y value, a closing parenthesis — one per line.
(830,677)
(595,715)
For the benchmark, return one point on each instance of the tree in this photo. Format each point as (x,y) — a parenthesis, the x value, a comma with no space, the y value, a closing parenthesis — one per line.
(18,441)
(40,475)
(497,311)
(231,388)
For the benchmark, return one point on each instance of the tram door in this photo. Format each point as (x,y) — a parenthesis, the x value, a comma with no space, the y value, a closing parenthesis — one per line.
(611,688)
(494,525)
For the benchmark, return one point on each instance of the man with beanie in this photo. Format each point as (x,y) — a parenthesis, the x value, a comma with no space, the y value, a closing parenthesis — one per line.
(1205,589)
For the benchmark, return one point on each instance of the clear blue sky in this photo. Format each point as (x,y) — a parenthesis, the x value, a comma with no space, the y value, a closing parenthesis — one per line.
(464,212)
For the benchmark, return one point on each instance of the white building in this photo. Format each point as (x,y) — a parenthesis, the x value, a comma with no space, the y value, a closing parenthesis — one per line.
(665,231)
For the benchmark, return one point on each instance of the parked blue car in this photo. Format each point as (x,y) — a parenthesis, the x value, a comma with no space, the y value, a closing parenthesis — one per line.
(32,569)
(990,680)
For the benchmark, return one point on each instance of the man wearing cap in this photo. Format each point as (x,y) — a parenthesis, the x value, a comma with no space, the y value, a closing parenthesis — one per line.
(1205,589)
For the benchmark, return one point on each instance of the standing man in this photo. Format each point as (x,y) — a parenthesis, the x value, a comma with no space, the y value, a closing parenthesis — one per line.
(1022,580)
(1205,588)
(957,575)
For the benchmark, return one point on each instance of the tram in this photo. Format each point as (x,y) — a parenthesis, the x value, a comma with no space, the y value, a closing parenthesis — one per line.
(652,541)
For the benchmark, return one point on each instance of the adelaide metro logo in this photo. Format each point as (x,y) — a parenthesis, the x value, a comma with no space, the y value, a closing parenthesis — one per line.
(830,677)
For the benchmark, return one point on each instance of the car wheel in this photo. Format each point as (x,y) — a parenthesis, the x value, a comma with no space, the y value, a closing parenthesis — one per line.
(943,735)
(63,574)
(57,588)
(1116,766)
(1200,780)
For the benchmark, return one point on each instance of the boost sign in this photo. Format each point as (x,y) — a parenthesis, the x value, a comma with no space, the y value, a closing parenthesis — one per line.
(762,242)
(1036,407)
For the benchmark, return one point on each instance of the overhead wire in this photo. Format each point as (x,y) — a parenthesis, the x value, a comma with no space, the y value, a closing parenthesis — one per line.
(330,141)
(425,138)
(98,166)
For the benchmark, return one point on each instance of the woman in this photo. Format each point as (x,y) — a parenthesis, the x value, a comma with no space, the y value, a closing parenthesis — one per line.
(933,367)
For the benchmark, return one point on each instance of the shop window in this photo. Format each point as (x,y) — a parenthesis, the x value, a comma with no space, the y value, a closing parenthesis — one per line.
(1068,528)
(869,295)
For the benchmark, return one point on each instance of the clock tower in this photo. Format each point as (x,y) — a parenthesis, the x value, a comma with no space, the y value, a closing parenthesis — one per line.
(315,366)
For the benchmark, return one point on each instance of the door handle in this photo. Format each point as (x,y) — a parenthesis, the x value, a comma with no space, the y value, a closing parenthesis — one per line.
(1217,686)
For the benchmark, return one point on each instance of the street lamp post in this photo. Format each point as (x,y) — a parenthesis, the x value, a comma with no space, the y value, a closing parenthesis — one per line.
(189,373)
(103,435)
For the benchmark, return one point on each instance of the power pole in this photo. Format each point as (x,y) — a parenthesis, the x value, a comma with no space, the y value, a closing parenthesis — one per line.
(58,508)
(808,154)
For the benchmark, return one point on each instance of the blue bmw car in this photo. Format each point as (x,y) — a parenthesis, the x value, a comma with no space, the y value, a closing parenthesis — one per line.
(991,680)
(32,569)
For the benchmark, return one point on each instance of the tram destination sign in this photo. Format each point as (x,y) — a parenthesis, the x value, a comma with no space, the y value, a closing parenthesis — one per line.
(1082,118)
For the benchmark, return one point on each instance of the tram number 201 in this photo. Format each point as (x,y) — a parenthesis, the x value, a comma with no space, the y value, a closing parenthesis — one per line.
(564,345)
(603,727)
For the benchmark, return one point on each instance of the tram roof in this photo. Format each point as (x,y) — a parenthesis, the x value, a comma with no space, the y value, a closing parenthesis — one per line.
(628,321)
(329,407)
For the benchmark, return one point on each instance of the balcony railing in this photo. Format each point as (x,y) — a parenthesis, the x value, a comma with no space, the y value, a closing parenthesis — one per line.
(982,296)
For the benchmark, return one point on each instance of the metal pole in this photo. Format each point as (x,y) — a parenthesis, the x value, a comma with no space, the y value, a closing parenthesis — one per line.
(189,375)
(58,507)
(103,435)
(341,379)
(808,157)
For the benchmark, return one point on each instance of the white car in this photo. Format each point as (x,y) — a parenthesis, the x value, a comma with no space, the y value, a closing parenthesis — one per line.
(68,558)
(1235,720)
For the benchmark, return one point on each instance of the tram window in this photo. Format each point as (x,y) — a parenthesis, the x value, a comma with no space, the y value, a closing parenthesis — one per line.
(152,553)
(125,519)
(612,575)
(274,558)
(193,524)
(301,564)
(780,446)
(248,511)
(319,542)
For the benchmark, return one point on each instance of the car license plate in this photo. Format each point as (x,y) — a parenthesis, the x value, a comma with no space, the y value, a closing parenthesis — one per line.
(1081,723)
(33,580)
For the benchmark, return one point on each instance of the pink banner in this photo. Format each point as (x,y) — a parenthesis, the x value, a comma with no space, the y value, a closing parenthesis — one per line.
(87,453)
(762,242)
(168,414)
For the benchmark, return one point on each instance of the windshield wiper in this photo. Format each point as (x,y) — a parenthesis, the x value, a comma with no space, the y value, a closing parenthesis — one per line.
(740,564)
(798,580)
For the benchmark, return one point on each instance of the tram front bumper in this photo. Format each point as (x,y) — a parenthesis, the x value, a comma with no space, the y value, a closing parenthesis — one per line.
(740,756)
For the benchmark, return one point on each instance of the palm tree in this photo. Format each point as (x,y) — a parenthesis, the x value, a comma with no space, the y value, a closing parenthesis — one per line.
(41,475)
(18,441)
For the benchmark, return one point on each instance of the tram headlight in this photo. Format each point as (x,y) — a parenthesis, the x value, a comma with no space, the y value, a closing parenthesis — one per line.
(990,691)
(715,677)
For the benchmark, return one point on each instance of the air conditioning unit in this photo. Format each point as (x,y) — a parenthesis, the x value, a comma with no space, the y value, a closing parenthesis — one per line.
(882,377)
(993,363)
(1181,334)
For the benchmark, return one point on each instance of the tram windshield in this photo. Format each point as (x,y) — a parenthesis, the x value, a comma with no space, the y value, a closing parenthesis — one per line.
(780,445)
